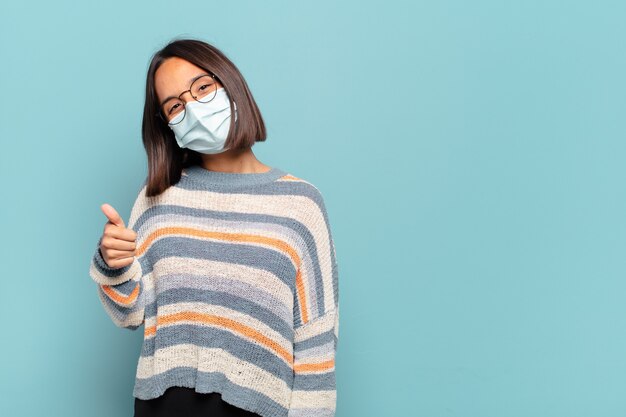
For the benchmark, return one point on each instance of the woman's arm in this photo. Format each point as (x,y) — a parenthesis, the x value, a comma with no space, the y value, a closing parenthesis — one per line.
(121,289)
(316,323)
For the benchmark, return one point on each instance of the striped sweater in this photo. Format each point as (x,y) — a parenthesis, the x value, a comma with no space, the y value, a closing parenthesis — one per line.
(235,284)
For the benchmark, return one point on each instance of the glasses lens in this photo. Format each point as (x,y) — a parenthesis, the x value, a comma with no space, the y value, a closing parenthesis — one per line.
(203,89)
(173,110)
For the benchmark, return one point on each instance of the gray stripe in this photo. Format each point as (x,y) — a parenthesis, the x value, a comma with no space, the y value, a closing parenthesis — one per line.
(314,382)
(259,297)
(202,179)
(317,340)
(326,349)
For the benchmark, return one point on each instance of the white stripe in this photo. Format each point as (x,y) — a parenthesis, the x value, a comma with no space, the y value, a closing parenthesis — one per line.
(238,371)
(317,326)
(314,399)
(262,279)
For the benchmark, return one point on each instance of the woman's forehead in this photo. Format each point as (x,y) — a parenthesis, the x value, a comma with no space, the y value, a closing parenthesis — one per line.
(174,75)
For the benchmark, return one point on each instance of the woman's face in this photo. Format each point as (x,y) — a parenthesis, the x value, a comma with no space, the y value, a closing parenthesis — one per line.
(173,77)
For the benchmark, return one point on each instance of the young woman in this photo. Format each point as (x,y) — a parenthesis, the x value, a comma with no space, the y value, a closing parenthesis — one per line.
(228,263)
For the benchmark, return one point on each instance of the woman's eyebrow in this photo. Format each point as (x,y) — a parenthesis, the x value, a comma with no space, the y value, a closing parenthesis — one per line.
(191,80)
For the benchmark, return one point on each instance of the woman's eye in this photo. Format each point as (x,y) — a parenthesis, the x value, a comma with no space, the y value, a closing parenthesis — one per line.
(174,107)
(205,85)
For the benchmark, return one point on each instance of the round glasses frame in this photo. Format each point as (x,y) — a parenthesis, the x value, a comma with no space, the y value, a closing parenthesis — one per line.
(160,115)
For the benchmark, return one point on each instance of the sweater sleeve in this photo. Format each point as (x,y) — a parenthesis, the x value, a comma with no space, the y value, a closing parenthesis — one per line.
(120,290)
(316,329)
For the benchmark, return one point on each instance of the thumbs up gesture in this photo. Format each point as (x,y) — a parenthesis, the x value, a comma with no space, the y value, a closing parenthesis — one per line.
(118,243)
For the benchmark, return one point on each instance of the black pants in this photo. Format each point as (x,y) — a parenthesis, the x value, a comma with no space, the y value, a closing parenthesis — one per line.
(186,402)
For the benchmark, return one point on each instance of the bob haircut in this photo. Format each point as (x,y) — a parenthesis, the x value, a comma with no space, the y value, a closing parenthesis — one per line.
(166,159)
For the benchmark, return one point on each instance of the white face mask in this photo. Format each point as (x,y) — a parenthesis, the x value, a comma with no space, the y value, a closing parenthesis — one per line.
(205,126)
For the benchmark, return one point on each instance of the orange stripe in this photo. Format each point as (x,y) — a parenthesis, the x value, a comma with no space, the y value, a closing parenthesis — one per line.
(234,237)
(227,323)
(237,237)
(122,299)
(149,331)
(321,366)
(302,297)
(290,178)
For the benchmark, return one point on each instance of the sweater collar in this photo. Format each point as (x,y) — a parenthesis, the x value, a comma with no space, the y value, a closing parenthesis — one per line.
(225,180)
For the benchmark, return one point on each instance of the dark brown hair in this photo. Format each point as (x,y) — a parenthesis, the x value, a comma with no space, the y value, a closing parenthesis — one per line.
(165,158)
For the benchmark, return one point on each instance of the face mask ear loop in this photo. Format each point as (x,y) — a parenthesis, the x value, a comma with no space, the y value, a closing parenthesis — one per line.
(235,104)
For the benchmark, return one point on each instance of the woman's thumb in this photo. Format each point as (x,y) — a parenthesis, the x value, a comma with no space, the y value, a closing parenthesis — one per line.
(112,215)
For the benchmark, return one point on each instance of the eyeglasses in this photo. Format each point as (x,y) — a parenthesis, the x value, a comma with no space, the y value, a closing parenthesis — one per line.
(203,89)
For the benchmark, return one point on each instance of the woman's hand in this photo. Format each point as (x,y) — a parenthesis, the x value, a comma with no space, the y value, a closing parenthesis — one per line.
(118,243)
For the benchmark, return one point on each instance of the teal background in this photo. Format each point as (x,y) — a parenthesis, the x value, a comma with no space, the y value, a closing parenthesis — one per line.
(472,159)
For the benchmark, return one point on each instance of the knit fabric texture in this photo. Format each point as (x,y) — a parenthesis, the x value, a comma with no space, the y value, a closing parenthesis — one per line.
(235,283)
